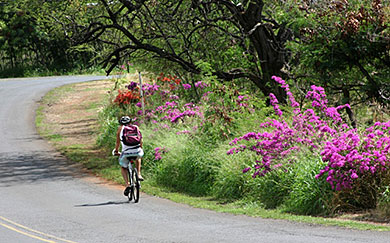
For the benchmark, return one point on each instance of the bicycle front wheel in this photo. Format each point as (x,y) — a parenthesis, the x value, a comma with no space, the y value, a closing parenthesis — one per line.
(130,195)
(136,185)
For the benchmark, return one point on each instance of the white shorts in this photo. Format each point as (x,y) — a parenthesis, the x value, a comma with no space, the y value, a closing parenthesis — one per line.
(137,153)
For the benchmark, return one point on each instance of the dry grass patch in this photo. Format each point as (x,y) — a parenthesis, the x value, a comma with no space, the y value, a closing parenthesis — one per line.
(69,115)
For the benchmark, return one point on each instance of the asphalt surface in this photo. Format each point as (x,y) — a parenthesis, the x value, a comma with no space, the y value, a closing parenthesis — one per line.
(43,199)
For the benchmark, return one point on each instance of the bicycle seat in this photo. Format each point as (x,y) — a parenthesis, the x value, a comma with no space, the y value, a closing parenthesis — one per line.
(131,158)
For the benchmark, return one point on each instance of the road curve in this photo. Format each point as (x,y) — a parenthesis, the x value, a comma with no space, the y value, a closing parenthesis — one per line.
(44,200)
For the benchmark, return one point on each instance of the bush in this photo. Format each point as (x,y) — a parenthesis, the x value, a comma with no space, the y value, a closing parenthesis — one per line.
(383,208)
(186,150)
(356,161)
(229,183)
(308,195)
(108,127)
(272,189)
(186,166)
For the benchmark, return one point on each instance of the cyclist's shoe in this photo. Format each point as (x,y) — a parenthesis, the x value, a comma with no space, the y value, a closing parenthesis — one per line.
(127,190)
(140,178)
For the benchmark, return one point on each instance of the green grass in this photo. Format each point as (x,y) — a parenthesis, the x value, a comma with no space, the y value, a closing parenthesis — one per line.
(39,117)
(55,137)
(42,127)
(49,99)
(252,209)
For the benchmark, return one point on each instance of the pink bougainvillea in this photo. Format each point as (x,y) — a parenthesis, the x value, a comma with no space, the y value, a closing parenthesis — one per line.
(349,154)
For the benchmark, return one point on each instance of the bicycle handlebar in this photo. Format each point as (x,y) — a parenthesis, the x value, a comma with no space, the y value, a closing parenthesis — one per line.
(115,154)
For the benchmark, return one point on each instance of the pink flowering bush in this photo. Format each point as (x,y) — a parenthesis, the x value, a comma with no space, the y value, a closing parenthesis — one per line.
(158,152)
(186,86)
(303,158)
(186,124)
(355,160)
(201,85)
(165,102)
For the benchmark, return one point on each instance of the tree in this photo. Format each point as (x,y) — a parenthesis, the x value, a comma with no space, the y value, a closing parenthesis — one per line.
(238,39)
(345,46)
(29,36)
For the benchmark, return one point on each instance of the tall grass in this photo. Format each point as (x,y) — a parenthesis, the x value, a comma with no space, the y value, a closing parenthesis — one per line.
(308,195)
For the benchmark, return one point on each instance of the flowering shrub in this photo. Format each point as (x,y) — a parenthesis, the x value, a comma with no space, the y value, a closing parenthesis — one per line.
(126,97)
(186,86)
(283,139)
(150,89)
(173,109)
(168,79)
(242,100)
(349,155)
(158,152)
(201,85)
(132,86)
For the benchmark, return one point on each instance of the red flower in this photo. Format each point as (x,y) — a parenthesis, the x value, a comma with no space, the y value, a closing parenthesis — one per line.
(126,97)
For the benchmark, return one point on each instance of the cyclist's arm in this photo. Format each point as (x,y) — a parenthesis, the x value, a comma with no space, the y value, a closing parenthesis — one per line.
(142,139)
(118,140)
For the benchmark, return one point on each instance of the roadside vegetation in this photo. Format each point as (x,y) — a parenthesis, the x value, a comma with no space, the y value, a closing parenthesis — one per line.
(32,43)
(278,104)
(179,166)
(213,140)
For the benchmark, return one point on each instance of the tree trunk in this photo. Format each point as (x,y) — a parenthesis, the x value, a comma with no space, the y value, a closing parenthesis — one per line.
(269,48)
(350,113)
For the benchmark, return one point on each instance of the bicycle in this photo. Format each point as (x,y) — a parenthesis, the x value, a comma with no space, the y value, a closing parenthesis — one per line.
(135,184)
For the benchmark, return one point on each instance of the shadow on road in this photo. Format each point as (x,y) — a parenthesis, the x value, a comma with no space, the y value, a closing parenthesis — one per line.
(29,167)
(103,204)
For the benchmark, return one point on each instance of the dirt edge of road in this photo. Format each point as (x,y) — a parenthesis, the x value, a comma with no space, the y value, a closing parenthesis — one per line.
(67,118)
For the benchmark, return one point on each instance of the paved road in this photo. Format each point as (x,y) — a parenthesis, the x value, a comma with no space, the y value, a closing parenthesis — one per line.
(44,200)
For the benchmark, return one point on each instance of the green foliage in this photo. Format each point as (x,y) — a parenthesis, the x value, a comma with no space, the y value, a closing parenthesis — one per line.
(230,183)
(343,46)
(186,166)
(108,126)
(272,189)
(309,195)
(383,207)
(293,188)
(32,41)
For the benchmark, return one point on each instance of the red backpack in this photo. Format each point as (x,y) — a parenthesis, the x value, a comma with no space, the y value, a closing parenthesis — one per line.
(131,135)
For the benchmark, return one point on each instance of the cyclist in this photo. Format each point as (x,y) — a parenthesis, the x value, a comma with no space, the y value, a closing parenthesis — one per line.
(128,151)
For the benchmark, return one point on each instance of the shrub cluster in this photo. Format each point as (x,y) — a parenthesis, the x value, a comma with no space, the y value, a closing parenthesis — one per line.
(305,159)
(357,162)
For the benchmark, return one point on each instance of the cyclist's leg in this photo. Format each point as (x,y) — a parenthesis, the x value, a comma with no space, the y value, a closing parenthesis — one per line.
(138,166)
(123,162)
(125,176)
